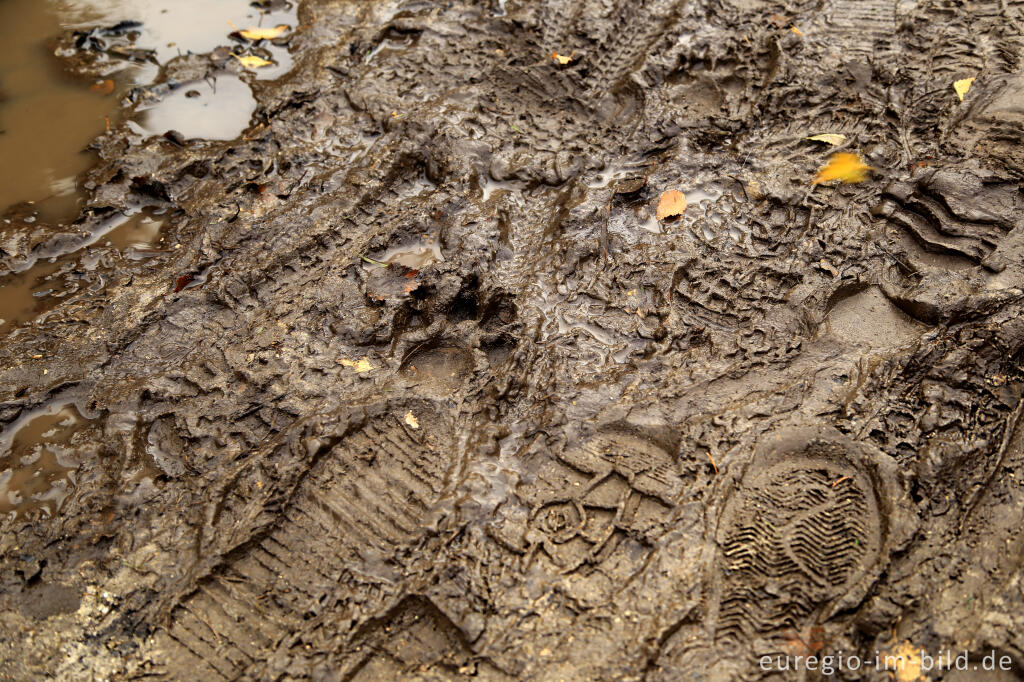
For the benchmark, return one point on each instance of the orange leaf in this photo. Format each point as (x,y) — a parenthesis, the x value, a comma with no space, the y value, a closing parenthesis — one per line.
(845,167)
(103,87)
(672,203)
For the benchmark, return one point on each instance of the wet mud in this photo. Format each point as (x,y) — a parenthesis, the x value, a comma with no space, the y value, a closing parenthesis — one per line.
(390,371)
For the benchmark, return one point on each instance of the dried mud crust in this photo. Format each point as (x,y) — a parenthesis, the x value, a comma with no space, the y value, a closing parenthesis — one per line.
(573,443)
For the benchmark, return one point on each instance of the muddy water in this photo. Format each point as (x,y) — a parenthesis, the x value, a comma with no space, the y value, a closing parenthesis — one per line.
(177,27)
(25,296)
(414,255)
(216,109)
(36,459)
(48,117)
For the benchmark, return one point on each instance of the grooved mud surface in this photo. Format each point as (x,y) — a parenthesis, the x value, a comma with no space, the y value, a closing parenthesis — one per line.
(418,387)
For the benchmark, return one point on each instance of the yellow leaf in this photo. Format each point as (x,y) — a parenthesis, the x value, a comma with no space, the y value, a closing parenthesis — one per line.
(251,61)
(360,366)
(263,33)
(843,166)
(672,203)
(833,139)
(962,86)
(411,420)
(905,661)
(797,31)
(561,58)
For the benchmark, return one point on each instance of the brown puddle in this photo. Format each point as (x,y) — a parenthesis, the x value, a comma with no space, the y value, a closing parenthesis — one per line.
(24,296)
(415,255)
(177,27)
(47,116)
(36,456)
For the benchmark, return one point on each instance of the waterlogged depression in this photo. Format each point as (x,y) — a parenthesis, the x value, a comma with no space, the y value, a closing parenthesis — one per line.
(51,112)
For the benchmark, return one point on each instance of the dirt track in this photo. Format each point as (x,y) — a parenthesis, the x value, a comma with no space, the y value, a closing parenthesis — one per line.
(555,438)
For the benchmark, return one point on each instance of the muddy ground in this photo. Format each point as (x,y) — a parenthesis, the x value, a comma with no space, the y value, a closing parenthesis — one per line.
(420,388)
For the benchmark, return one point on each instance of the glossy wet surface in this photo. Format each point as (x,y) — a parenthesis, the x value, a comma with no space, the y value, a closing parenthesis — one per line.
(217,108)
(25,296)
(49,116)
(559,438)
(37,460)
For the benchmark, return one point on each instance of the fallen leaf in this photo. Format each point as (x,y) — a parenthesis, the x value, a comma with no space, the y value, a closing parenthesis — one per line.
(362,365)
(962,86)
(672,203)
(845,167)
(905,662)
(263,33)
(834,139)
(182,282)
(251,61)
(797,31)
(411,420)
(563,59)
(105,87)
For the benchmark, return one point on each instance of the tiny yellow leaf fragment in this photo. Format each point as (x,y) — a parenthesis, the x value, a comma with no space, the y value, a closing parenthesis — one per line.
(843,166)
(263,33)
(797,31)
(411,420)
(251,61)
(672,203)
(360,366)
(834,139)
(563,59)
(962,87)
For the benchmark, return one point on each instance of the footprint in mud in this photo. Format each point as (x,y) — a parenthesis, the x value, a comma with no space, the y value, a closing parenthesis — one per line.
(352,525)
(616,486)
(800,539)
(958,229)
(414,636)
(962,213)
(437,372)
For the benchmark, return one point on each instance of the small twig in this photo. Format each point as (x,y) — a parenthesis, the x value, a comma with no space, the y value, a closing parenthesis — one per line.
(713,462)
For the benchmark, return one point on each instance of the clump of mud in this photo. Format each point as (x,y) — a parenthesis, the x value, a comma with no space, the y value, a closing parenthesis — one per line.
(418,386)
